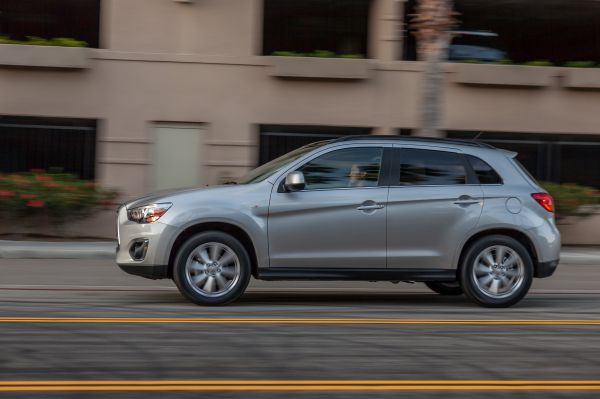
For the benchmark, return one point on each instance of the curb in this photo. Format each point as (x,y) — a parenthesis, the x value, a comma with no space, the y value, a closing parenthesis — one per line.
(106,250)
(57,250)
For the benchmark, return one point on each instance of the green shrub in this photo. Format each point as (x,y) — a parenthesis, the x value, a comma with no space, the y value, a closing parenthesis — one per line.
(539,63)
(62,196)
(580,64)
(572,199)
(317,54)
(472,61)
(504,61)
(322,54)
(352,56)
(40,41)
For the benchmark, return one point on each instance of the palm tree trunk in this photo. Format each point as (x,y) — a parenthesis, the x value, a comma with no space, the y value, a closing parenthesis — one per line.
(433,88)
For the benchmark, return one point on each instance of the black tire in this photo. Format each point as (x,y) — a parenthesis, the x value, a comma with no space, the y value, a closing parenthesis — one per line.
(193,293)
(476,291)
(444,288)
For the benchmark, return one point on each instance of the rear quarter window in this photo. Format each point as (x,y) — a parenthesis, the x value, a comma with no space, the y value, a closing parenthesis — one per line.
(484,172)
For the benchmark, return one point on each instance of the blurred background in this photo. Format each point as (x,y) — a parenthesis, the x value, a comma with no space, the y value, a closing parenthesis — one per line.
(105,100)
(102,101)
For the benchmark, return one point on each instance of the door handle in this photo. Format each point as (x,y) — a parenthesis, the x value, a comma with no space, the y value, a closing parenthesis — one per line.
(370,207)
(466,200)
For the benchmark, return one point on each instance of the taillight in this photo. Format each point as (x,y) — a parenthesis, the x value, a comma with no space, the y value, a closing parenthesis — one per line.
(545,200)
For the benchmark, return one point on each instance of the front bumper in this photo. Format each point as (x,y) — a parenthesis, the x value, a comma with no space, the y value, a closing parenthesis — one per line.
(546,269)
(157,237)
(152,272)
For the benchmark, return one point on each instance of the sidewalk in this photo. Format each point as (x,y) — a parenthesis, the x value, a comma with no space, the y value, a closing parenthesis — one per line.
(106,250)
(57,250)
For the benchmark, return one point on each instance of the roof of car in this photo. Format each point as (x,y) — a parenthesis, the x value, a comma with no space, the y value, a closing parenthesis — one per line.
(467,142)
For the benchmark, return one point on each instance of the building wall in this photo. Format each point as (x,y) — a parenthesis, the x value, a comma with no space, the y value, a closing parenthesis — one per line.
(166,61)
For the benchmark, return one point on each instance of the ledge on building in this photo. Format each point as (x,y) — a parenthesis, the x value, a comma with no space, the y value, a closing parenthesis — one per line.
(44,56)
(581,78)
(320,68)
(503,75)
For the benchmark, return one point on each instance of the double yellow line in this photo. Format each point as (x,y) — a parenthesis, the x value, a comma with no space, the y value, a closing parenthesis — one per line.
(296,320)
(301,385)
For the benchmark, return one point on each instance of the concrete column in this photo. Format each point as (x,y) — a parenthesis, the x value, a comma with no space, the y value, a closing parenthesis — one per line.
(385,29)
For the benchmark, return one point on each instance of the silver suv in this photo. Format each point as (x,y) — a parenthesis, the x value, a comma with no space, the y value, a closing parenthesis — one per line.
(460,216)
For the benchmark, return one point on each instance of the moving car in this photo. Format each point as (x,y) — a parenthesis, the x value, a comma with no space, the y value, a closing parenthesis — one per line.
(461,216)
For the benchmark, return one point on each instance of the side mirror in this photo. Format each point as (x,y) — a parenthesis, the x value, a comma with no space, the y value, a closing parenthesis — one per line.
(294,181)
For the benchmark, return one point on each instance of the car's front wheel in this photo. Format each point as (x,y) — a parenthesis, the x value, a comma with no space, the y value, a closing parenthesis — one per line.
(445,288)
(212,268)
(497,271)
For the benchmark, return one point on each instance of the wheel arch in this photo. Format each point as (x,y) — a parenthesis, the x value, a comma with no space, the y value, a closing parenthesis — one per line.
(235,231)
(518,235)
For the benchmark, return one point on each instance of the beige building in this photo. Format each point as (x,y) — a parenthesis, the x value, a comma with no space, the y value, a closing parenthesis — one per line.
(181,93)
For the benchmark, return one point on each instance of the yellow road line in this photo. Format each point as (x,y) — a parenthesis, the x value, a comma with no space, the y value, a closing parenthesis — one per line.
(308,320)
(498,386)
(298,382)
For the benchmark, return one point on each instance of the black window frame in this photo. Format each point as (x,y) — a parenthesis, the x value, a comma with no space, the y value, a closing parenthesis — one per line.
(74,139)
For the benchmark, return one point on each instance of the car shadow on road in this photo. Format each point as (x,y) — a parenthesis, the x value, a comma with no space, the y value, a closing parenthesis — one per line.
(351,298)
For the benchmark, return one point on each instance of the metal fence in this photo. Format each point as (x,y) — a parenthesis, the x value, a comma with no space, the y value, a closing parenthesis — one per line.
(276,140)
(67,145)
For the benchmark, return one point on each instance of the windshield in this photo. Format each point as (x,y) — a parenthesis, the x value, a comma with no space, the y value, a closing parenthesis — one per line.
(262,172)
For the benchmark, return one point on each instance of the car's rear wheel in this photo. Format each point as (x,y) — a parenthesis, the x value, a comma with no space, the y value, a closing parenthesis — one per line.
(497,271)
(212,268)
(445,288)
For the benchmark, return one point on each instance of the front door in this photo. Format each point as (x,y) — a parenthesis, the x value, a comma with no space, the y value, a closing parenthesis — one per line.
(431,208)
(338,220)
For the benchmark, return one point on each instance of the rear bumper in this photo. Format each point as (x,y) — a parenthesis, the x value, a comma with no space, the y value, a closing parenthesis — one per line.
(546,269)
(151,272)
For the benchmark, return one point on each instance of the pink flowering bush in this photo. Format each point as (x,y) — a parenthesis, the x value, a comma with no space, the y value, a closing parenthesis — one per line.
(57,195)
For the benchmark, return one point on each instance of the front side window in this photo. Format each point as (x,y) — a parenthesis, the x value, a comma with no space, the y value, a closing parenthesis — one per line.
(430,167)
(346,168)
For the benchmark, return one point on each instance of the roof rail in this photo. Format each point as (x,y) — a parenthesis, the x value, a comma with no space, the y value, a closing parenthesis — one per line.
(468,142)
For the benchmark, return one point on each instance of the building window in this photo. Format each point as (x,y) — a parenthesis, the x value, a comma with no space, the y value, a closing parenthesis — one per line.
(316,27)
(522,31)
(561,158)
(67,145)
(277,140)
(48,19)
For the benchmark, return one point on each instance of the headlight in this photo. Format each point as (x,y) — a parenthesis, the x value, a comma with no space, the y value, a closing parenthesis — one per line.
(148,213)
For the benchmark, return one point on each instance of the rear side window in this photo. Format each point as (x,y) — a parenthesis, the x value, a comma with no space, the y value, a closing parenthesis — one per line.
(430,167)
(484,172)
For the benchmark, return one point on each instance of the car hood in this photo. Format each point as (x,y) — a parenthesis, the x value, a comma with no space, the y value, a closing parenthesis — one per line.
(173,195)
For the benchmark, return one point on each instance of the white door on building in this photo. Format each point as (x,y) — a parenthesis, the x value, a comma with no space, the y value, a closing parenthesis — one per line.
(177,155)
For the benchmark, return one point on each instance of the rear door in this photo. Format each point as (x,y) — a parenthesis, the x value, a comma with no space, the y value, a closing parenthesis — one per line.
(434,201)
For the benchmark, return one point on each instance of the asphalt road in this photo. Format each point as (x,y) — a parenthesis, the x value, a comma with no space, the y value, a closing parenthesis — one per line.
(118,336)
